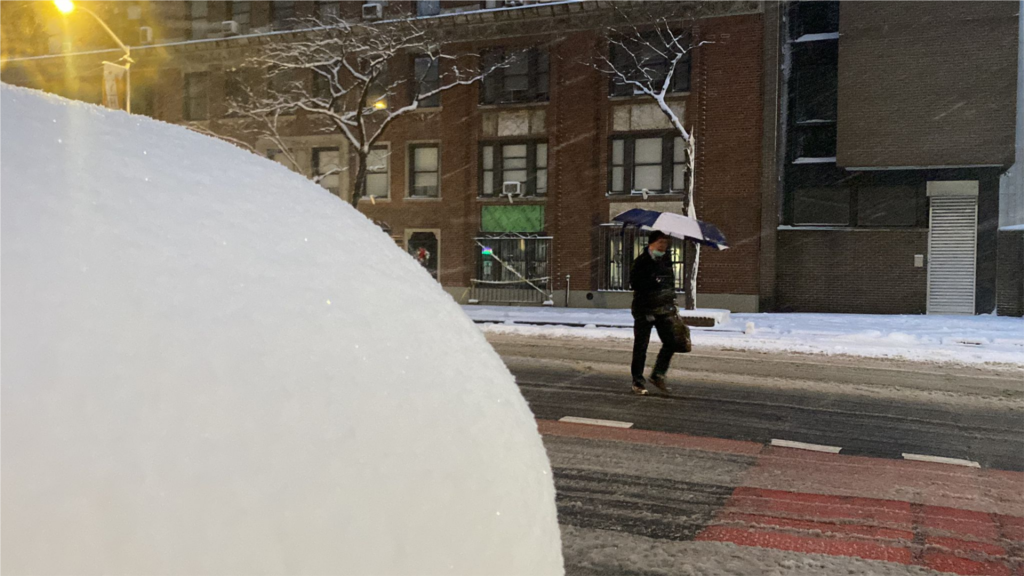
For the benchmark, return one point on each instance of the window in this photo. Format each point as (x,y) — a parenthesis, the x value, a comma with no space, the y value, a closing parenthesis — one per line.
(196,103)
(278,156)
(894,206)
(142,97)
(824,195)
(321,85)
(424,171)
(813,18)
(815,80)
(377,173)
(282,14)
(424,247)
(285,84)
(656,163)
(428,7)
(328,12)
(646,62)
(623,245)
(814,141)
(241,12)
(198,12)
(327,168)
(427,80)
(821,206)
(236,90)
(525,79)
(523,162)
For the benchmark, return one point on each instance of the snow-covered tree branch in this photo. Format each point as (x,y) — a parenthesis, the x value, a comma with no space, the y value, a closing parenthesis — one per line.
(653,61)
(353,79)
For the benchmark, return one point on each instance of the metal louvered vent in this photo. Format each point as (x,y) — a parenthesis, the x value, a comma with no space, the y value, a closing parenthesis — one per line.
(952,253)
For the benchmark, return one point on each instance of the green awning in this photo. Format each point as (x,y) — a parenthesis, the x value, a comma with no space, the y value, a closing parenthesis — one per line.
(522,219)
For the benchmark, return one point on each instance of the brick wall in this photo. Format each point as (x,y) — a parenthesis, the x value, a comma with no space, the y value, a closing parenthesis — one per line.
(579,123)
(729,77)
(852,271)
(927,83)
(1010,274)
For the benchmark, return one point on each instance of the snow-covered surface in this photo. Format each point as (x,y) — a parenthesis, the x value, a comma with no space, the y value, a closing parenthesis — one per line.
(211,365)
(1014,228)
(957,339)
(817,37)
(598,317)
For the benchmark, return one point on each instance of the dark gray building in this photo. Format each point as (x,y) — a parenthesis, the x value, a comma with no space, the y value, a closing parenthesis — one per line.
(895,121)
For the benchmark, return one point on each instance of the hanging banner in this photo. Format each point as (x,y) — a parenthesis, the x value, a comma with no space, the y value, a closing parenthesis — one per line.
(112,76)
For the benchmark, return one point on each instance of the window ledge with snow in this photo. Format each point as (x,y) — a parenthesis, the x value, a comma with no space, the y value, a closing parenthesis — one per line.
(817,37)
(815,160)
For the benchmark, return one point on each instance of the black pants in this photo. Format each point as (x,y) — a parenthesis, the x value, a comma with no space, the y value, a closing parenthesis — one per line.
(642,337)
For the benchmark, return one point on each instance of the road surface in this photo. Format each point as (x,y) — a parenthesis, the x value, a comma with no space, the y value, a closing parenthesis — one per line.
(695,486)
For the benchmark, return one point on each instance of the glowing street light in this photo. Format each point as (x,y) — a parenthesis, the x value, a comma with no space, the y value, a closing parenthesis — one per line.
(380,104)
(67,7)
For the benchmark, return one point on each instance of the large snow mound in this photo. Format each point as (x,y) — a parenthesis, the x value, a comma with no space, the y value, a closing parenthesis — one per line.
(212,365)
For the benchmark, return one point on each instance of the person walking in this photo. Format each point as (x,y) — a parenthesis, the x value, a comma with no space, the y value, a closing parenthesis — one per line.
(654,304)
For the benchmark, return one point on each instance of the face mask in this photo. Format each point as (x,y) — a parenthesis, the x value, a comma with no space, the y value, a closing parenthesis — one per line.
(657,253)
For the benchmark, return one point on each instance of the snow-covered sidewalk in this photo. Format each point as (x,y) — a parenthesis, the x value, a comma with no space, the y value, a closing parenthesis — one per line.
(957,339)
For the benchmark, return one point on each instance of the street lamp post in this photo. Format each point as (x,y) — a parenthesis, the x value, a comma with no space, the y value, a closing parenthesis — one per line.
(67,7)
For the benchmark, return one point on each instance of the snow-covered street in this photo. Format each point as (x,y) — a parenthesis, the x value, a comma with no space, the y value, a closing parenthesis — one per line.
(995,340)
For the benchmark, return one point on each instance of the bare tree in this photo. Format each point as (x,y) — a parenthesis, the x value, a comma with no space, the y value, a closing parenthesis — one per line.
(338,74)
(648,59)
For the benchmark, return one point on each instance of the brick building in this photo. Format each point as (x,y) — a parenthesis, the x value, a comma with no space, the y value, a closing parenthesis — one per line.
(819,153)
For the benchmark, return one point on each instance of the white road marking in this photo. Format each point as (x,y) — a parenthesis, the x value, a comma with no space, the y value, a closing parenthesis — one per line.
(941,460)
(596,422)
(805,446)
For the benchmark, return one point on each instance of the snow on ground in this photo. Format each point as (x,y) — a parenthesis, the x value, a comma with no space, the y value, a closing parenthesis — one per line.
(956,339)
(211,365)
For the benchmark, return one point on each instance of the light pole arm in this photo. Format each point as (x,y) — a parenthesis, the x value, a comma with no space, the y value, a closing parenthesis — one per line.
(127,51)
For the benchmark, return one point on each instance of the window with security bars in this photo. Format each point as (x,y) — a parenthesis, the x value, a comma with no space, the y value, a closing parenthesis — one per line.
(622,245)
(655,163)
(523,162)
(514,261)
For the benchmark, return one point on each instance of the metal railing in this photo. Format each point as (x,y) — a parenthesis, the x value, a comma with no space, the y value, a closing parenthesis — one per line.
(512,269)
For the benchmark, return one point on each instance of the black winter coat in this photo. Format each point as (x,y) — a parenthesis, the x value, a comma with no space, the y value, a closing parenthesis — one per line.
(654,292)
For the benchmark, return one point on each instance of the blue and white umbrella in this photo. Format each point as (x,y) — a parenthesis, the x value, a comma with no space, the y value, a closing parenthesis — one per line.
(675,225)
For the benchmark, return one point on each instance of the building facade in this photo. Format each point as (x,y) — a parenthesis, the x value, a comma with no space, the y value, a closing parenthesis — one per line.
(853,167)
(896,121)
